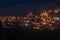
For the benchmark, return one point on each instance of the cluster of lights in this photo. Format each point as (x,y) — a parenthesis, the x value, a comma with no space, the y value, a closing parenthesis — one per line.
(41,20)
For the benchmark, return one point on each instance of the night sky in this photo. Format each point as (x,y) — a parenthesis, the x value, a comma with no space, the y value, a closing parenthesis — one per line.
(21,7)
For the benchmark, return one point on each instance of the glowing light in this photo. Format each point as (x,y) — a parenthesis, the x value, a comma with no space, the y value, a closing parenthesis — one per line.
(25,17)
(50,24)
(35,23)
(48,21)
(44,23)
(36,27)
(31,13)
(52,21)
(44,14)
(3,20)
(56,18)
(26,24)
(56,11)
(28,21)
(36,17)
(44,19)
(50,10)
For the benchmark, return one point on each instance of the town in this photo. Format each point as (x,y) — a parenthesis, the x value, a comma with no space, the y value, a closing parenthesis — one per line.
(44,20)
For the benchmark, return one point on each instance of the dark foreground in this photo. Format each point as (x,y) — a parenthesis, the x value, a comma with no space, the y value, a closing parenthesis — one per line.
(29,34)
(25,33)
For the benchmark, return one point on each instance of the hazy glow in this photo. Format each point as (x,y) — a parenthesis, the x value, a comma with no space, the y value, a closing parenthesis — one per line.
(56,18)
(39,20)
(26,24)
(56,11)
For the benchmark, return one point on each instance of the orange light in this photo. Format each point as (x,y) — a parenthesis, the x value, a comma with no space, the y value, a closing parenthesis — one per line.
(50,24)
(25,17)
(52,21)
(50,10)
(56,11)
(44,23)
(36,27)
(31,13)
(43,19)
(35,23)
(44,14)
(36,16)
